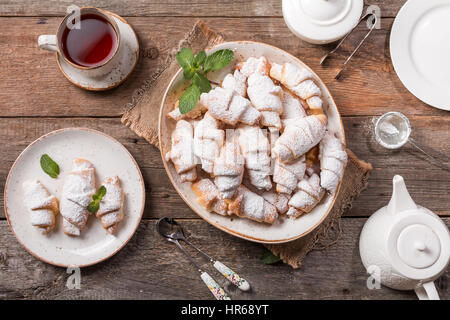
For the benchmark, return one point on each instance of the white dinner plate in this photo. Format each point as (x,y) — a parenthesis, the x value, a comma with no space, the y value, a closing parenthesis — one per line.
(420,46)
(282,230)
(109,158)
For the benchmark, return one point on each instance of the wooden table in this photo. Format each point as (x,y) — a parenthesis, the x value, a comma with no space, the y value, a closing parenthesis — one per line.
(36,98)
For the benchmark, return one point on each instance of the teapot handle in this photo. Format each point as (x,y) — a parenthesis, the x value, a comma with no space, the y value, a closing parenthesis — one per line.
(427,292)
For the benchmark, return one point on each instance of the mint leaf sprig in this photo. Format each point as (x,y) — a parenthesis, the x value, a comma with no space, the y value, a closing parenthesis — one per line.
(95,205)
(268,257)
(49,166)
(196,68)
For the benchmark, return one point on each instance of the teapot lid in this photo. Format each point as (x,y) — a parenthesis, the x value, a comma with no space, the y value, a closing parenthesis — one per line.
(321,21)
(419,244)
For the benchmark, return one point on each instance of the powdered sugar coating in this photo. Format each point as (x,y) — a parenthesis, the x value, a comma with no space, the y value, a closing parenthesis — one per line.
(237,82)
(298,80)
(78,188)
(287,175)
(228,106)
(266,98)
(254,65)
(196,112)
(229,168)
(110,211)
(256,150)
(279,200)
(253,206)
(208,140)
(300,136)
(182,152)
(308,195)
(209,196)
(41,205)
(333,160)
(292,108)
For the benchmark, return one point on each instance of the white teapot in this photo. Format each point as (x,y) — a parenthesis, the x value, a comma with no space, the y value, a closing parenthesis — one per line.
(406,245)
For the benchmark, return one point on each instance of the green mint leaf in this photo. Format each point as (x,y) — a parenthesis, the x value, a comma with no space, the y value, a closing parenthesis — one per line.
(185,58)
(268,257)
(97,197)
(101,192)
(189,99)
(189,73)
(199,59)
(49,166)
(93,206)
(201,82)
(218,60)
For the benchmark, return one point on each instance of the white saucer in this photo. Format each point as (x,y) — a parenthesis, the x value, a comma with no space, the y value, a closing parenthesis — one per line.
(129,51)
(420,49)
(109,158)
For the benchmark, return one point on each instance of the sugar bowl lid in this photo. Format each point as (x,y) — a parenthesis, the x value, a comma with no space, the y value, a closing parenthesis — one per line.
(419,244)
(321,21)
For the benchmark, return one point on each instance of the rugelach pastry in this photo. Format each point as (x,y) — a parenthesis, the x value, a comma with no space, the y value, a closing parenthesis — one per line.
(78,188)
(110,211)
(40,204)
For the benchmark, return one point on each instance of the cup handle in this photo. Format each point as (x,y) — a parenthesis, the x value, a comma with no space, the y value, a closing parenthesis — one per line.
(427,292)
(47,42)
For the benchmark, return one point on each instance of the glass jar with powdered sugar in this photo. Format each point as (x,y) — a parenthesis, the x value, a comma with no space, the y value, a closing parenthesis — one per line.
(393,130)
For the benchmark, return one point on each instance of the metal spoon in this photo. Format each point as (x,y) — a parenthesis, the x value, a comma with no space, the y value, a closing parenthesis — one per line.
(170,229)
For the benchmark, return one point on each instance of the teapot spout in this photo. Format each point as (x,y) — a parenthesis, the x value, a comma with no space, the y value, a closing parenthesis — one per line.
(400,200)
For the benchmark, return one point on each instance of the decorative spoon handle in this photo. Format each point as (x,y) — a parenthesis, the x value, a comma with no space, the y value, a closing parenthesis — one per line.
(214,287)
(232,276)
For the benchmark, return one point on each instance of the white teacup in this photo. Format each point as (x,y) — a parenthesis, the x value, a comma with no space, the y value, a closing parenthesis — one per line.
(55,43)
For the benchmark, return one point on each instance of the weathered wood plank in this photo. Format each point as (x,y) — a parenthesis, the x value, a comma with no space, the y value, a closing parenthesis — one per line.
(151,268)
(227,8)
(32,85)
(427,183)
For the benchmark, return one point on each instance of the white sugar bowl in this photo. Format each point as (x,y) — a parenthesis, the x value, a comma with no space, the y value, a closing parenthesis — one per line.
(407,246)
(321,21)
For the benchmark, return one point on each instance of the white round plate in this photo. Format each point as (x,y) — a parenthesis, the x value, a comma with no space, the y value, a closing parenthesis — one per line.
(109,158)
(420,49)
(129,52)
(283,230)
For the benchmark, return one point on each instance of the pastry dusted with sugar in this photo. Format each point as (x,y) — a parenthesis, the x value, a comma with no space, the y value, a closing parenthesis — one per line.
(196,112)
(333,160)
(40,204)
(287,175)
(292,109)
(254,65)
(308,195)
(182,152)
(247,204)
(256,149)
(266,98)
(208,140)
(78,188)
(229,168)
(209,196)
(300,136)
(110,211)
(228,106)
(279,200)
(299,81)
(237,82)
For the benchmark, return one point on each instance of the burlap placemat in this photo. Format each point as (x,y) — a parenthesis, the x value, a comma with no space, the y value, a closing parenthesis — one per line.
(142,113)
